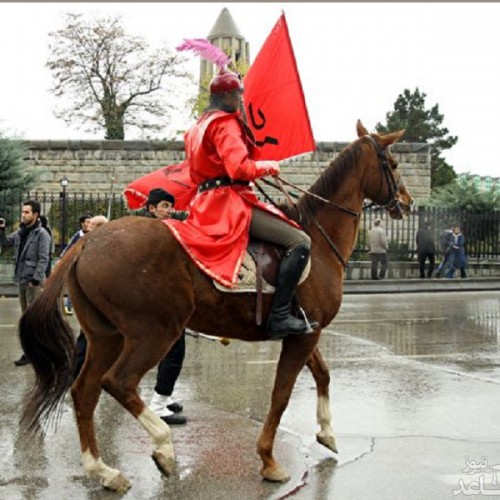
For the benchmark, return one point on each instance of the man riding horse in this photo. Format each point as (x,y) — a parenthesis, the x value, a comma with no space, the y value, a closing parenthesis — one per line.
(223,160)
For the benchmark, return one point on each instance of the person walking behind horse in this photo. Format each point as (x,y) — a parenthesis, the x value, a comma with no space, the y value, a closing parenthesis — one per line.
(426,249)
(84,229)
(160,205)
(81,341)
(377,241)
(222,157)
(458,259)
(32,250)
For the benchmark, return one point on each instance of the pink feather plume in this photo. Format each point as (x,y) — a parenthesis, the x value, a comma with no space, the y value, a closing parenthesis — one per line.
(206,50)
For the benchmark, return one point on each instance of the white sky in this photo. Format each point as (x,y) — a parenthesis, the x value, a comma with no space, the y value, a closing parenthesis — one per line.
(354,60)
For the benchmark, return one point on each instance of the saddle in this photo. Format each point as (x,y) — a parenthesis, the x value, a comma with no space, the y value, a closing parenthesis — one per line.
(267,258)
(259,272)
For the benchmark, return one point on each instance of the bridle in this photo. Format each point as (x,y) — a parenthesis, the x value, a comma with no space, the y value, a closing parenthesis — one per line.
(387,175)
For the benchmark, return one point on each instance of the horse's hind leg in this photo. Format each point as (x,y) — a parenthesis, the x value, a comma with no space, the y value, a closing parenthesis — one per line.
(104,346)
(294,354)
(139,355)
(321,375)
(101,354)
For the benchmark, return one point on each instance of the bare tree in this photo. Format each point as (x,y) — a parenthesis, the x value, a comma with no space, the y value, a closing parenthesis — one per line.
(111,80)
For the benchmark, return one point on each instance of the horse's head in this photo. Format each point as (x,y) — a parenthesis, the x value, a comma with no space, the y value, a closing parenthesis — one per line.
(383,181)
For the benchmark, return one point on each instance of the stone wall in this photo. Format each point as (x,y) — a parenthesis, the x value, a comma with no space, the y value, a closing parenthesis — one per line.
(91,165)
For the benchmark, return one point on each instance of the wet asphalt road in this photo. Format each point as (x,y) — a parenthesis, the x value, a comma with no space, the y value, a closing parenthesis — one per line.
(415,398)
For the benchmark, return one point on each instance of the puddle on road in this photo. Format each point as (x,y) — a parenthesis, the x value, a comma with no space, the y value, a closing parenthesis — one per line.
(459,332)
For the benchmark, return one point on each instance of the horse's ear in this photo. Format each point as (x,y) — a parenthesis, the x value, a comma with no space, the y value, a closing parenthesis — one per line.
(387,140)
(360,128)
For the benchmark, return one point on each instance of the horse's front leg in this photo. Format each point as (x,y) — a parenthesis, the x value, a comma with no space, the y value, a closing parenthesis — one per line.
(321,374)
(294,354)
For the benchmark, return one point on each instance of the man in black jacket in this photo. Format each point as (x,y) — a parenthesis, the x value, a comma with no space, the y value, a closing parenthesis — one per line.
(160,205)
(32,254)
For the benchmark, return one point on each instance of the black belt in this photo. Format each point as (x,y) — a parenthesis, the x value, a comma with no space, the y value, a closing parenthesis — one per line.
(220,181)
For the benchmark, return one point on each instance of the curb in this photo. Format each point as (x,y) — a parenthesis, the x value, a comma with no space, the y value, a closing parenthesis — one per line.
(413,285)
(380,286)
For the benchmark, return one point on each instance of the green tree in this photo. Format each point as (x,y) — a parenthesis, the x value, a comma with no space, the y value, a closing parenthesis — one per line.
(111,80)
(422,125)
(13,174)
(14,179)
(463,194)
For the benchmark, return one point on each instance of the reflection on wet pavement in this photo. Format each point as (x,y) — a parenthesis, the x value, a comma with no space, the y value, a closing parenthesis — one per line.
(456,331)
(412,381)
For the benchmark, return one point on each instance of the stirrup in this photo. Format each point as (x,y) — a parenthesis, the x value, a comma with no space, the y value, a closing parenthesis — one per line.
(279,334)
(310,326)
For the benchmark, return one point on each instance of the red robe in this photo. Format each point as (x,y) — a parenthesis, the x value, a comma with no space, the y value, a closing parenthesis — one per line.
(215,234)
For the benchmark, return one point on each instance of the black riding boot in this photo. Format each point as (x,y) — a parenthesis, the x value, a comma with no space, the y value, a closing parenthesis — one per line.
(280,322)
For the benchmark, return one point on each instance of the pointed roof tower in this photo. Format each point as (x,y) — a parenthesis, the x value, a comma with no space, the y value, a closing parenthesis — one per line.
(224,26)
(226,35)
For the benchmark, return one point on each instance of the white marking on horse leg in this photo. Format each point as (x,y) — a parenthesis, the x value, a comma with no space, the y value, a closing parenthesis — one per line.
(325,436)
(109,478)
(161,436)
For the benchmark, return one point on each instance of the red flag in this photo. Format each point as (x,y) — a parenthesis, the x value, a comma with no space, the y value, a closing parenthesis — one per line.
(174,178)
(276,113)
(274,100)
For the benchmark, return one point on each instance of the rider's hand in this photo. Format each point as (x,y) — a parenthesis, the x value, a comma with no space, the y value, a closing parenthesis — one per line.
(267,168)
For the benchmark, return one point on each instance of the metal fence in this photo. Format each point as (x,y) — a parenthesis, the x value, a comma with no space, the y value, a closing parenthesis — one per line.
(481,228)
(62,210)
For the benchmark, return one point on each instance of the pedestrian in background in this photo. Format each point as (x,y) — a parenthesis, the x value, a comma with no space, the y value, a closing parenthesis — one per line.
(31,256)
(81,341)
(446,241)
(160,205)
(426,249)
(458,259)
(84,222)
(377,240)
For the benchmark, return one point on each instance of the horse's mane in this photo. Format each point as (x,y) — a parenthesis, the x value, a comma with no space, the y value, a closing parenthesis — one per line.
(325,185)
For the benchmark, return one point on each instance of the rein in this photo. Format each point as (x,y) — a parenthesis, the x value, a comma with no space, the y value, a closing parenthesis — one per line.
(324,200)
(280,187)
(392,185)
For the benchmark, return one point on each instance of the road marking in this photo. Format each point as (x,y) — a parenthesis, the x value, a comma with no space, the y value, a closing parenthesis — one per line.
(386,320)
(368,358)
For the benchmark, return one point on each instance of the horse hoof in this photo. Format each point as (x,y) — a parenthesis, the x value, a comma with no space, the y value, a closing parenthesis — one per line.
(119,483)
(328,441)
(275,475)
(165,464)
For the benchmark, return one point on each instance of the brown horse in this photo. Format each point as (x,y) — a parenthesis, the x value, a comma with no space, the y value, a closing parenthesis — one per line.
(134,290)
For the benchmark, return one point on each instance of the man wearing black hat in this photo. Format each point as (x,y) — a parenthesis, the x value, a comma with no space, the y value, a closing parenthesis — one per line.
(160,205)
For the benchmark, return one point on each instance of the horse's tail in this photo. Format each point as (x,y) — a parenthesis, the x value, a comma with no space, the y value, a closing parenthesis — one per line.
(48,341)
